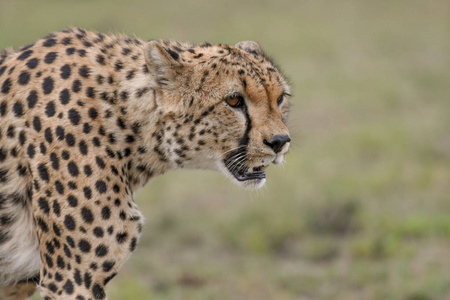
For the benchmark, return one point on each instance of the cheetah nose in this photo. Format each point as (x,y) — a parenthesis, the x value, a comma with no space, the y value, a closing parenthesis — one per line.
(278,142)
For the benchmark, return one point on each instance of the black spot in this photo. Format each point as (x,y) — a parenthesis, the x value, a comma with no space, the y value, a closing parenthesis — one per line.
(65,71)
(87,193)
(52,287)
(83,147)
(49,261)
(100,79)
(121,237)
(72,200)
(60,262)
(87,280)
(87,170)
(70,241)
(90,92)
(41,223)
(57,231)
(108,265)
(92,113)
(87,128)
(32,63)
(126,51)
(70,51)
(32,99)
(42,148)
(84,246)
(173,54)
(70,139)
(3,107)
(24,55)
(133,244)
(48,135)
(24,78)
(60,133)
(21,169)
(100,162)
(18,109)
(50,57)
(22,138)
(76,86)
(68,287)
(47,85)
(3,178)
(106,213)
(64,96)
(101,251)
(101,186)
(101,130)
(98,232)
(43,205)
(87,215)
(30,152)
(116,189)
(82,53)
(55,161)
(11,132)
(66,41)
(43,172)
(130,74)
(100,59)
(96,142)
(49,43)
(69,222)
(50,109)
(84,71)
(72,185)
(6,86)
(124,96)
(74,116)
(98,291)
(129,138)
(59,187)
(73,169)
(118,65)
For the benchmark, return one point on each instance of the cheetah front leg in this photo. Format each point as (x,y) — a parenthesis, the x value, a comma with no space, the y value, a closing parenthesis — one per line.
(20,291)
(86,232)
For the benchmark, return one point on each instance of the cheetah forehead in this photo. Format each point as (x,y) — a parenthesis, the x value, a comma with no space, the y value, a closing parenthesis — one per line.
(223,56)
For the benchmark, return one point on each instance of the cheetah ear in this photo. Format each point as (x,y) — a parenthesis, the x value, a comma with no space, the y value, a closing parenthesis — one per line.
(250,47)
(163,63)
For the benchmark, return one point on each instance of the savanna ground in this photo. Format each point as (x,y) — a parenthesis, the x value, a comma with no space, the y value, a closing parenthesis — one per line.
(361,209)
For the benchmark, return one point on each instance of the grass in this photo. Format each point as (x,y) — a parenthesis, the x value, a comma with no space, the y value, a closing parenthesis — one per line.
(361,208)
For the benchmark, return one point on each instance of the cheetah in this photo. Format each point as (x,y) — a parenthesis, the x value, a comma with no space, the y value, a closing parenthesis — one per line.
(86,119)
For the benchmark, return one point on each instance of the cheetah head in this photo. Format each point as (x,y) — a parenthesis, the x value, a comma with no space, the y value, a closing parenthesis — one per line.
(228,106)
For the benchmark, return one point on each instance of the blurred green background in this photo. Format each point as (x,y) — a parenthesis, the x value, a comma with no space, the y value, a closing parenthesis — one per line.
(361,209)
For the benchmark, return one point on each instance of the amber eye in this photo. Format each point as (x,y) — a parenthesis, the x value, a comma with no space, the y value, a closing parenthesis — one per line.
(236,101)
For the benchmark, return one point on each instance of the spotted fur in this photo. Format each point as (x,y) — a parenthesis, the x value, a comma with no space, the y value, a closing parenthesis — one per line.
(86,119)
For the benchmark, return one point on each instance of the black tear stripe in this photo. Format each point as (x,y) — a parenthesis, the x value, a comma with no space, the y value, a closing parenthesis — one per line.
(245,139)
(243,142)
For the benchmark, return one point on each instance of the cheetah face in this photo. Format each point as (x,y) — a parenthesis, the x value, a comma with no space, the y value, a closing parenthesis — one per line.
(265,139)
(235,104)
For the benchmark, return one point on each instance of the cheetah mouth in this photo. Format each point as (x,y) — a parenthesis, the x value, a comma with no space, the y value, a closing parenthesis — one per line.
(245,173)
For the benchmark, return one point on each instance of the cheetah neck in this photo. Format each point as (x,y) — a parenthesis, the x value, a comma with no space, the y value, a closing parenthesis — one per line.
(140,121)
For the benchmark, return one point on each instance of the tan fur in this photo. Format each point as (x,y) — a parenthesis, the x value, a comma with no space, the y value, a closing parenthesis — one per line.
(87,119)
